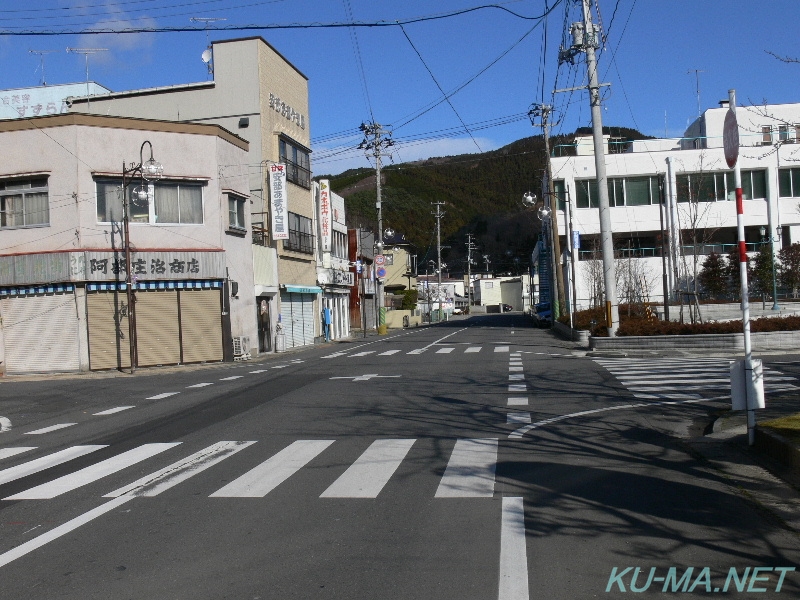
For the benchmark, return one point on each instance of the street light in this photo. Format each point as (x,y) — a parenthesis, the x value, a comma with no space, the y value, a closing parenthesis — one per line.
(771,240)
(151,170)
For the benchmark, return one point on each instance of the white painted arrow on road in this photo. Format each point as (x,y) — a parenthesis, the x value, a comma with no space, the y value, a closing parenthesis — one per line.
(5,424)
(366,377)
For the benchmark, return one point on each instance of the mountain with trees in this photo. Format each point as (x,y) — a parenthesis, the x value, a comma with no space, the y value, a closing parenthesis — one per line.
(482,195)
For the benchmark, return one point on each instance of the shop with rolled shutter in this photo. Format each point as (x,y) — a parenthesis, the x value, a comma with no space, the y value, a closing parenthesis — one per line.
(40,329)
(298,315)
(176,323)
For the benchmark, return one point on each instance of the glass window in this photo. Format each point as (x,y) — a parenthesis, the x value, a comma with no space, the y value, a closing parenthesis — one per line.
(24,202)
(586,193)
(637,191)
(783,133)
(297,161)
(162,202)
(301,238)
(236,212)
(178,203)
(766,135)
(616,195)
(560,189)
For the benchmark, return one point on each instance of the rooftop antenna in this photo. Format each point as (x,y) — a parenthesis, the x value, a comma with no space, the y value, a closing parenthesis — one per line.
(41,54)
(207,56)
(86,52)
(697,86)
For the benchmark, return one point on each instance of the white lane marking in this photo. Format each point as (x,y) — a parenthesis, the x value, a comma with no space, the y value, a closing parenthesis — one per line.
(501,349)
(444,350)
(418,351)
(473,349)
(259,371)
(366,477)
(470,471)
(9,452)
(518,401)
(685,396)
(49,429)
(279,367)
(198,385)
(515,368)
(518,418)
(523,430)
(660,381)
(232,378)
(163,479)
(261,480)
(365,353)
(388,352)
(516,377)
(335,354)
(45,462)
(518,387)
(112,411)
(367,377)
(61,530)
(91,473)
(421,350)
(513,552)
(162,396)
(5,424)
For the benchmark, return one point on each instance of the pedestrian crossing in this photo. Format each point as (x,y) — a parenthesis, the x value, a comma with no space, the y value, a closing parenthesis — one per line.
(685,378)
(469,472)
(432,349)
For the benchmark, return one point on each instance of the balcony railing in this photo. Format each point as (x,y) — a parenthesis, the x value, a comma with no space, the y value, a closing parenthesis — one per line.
(688,250)
(297,174)
(299,242)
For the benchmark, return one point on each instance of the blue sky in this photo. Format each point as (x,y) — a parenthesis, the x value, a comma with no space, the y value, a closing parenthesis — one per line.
(392,74)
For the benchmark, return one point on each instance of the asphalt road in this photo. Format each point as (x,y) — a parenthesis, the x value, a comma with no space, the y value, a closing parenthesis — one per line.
(477,459)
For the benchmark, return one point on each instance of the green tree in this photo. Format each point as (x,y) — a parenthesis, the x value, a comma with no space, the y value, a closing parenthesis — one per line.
(409,300)
(790,268)
(762,271)
(714,276)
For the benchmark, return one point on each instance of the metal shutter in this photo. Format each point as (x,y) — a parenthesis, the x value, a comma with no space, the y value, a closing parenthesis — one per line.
(41,333)
(157,328)
(201,325)
(290,313)
(109,345)
(308,319)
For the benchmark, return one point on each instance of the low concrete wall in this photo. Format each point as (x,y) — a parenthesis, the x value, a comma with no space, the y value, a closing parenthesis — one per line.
(786,341)
(394,319)
(574,335)
(777,447)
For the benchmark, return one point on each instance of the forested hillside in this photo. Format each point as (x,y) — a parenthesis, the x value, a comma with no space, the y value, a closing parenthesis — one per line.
(482,193)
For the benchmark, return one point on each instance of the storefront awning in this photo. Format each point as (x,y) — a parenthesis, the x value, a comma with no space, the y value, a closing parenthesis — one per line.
(301,289)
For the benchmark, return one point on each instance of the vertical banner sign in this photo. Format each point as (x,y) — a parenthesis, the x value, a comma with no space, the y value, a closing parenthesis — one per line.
(325,215)
(277,199)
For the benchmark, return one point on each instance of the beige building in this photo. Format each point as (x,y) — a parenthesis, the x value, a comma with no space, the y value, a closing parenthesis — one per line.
(262,97)
(63,271)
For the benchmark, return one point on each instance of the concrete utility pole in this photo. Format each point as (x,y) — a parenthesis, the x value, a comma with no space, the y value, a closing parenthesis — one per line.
(585,38)
(470,248)
(543,111)
(439,214)
(376,140)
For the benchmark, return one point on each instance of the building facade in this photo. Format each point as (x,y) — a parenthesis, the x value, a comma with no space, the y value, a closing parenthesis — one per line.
(63,269)
(261,96)
(672,201)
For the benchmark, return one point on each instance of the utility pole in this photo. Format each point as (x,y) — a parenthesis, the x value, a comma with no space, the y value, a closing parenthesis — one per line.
(439,214)
(470,248)
(543,111)
(376,140)
(585,38)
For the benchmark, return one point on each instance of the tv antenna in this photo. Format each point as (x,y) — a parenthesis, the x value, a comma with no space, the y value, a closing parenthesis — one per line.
(41,54)
(86,52)
(207,56)
(697,86)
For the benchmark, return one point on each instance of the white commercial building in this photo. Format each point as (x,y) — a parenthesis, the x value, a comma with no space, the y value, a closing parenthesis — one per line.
(698,213)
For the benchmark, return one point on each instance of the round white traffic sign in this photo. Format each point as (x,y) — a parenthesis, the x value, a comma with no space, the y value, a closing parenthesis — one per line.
(730,139)
(380,260)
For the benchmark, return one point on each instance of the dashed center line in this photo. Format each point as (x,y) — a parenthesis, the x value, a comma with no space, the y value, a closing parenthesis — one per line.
(198,385)
(51,428)
(162,396)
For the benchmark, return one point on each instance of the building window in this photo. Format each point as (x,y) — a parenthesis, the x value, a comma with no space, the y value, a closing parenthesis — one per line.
(710,187)
(560,189)
(298,164)
(622,191)
(301,237)
(789,182)
(165,203)
(236,212)
(24,203)
(783,133)
(339,245)
(766,135)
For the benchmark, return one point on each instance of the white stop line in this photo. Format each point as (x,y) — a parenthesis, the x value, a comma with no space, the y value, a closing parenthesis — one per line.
(5,424)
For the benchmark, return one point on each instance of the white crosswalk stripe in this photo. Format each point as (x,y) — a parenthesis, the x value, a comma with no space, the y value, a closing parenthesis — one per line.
(392,352)
(369,474)
(444,350)
(684,378)
(92,473)
(469,473)
(389,353)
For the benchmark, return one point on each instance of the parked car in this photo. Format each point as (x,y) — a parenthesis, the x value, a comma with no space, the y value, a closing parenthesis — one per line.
(459,311)
(542,315)
(507,308)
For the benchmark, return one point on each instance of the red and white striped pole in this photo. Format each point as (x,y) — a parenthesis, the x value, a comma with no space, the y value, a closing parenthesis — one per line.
(748,351)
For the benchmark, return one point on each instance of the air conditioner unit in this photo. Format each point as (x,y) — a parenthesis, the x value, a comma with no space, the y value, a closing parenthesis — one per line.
(241,348)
